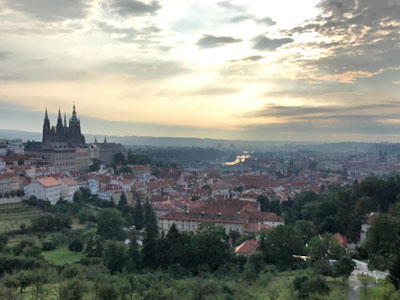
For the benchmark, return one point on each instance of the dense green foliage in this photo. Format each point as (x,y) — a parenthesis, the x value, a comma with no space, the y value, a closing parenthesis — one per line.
(76,250)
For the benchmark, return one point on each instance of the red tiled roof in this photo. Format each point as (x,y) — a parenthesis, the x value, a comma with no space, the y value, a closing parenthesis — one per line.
(265,216)
(69,181)
(48,181)
(253,227)
(248,247)
(342,240)
(202,217)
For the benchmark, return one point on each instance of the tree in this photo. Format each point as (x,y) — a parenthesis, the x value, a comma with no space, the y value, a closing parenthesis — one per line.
(394,269)
(138,215)
(306,229)
(76,245)
(149,251)
(305,286)
(94,247)
(134,258)
(344,267)
(264,203)
(253,267)
(73,289)
(380,240)
(3,242)
(325,247)
(104,288)
(115,256)
(8,293)
(119,159)
(279,244)
(122,201)
(109,225)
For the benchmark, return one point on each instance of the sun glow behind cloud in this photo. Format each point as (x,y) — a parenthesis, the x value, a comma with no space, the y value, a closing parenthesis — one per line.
(201,64)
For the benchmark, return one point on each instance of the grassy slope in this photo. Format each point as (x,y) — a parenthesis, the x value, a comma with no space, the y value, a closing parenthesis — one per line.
(14,214)
(62,256)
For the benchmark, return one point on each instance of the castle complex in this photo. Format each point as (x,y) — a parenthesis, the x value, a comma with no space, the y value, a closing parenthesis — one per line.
(63,146)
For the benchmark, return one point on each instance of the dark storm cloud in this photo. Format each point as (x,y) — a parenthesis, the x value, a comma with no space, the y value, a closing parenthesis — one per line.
(50,10)
(261,42)
(211,41)
(361,36)
(134,7)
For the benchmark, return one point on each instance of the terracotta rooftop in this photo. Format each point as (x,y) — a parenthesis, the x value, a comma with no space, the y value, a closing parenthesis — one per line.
(248,247)
(342,240)
(202,217)
(49,181)
(69,181)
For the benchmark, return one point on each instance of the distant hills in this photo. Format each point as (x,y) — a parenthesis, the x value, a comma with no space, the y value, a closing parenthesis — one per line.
(148,141)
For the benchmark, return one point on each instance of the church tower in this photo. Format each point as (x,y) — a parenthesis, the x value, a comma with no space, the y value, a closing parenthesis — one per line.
(74,130)
(46,128)
(60,128)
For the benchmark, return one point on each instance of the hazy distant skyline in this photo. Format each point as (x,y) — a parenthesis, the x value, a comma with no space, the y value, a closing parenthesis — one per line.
(259,70)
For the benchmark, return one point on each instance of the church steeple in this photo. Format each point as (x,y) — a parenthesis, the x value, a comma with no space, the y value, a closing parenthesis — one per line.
(65,120)
(95,139)
(46,127)
(74,118)
(59,126)
(105,140)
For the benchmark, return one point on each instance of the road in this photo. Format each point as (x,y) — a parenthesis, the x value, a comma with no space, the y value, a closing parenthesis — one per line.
(354,286)
(361,269)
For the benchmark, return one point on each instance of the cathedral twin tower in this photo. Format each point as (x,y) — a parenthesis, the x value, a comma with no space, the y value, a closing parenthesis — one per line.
(61,132)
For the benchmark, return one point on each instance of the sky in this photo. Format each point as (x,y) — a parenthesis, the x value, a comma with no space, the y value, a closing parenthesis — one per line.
(310,70)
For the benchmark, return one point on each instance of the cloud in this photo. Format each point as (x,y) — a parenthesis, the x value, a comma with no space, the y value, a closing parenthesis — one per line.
(134,7)
(4,55)
(355,38)
(249,58)
(211,41)
(145,70)
(266,21)
(50,10)
(215,91)
(241,18)
(261,42)
(228,5)
(307,112)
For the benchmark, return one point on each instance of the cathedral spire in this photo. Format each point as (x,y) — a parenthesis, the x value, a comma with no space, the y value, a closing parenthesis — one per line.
(46,127)
(105,140)
(95,139)
(74,118)
(65,120)
(59,126)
